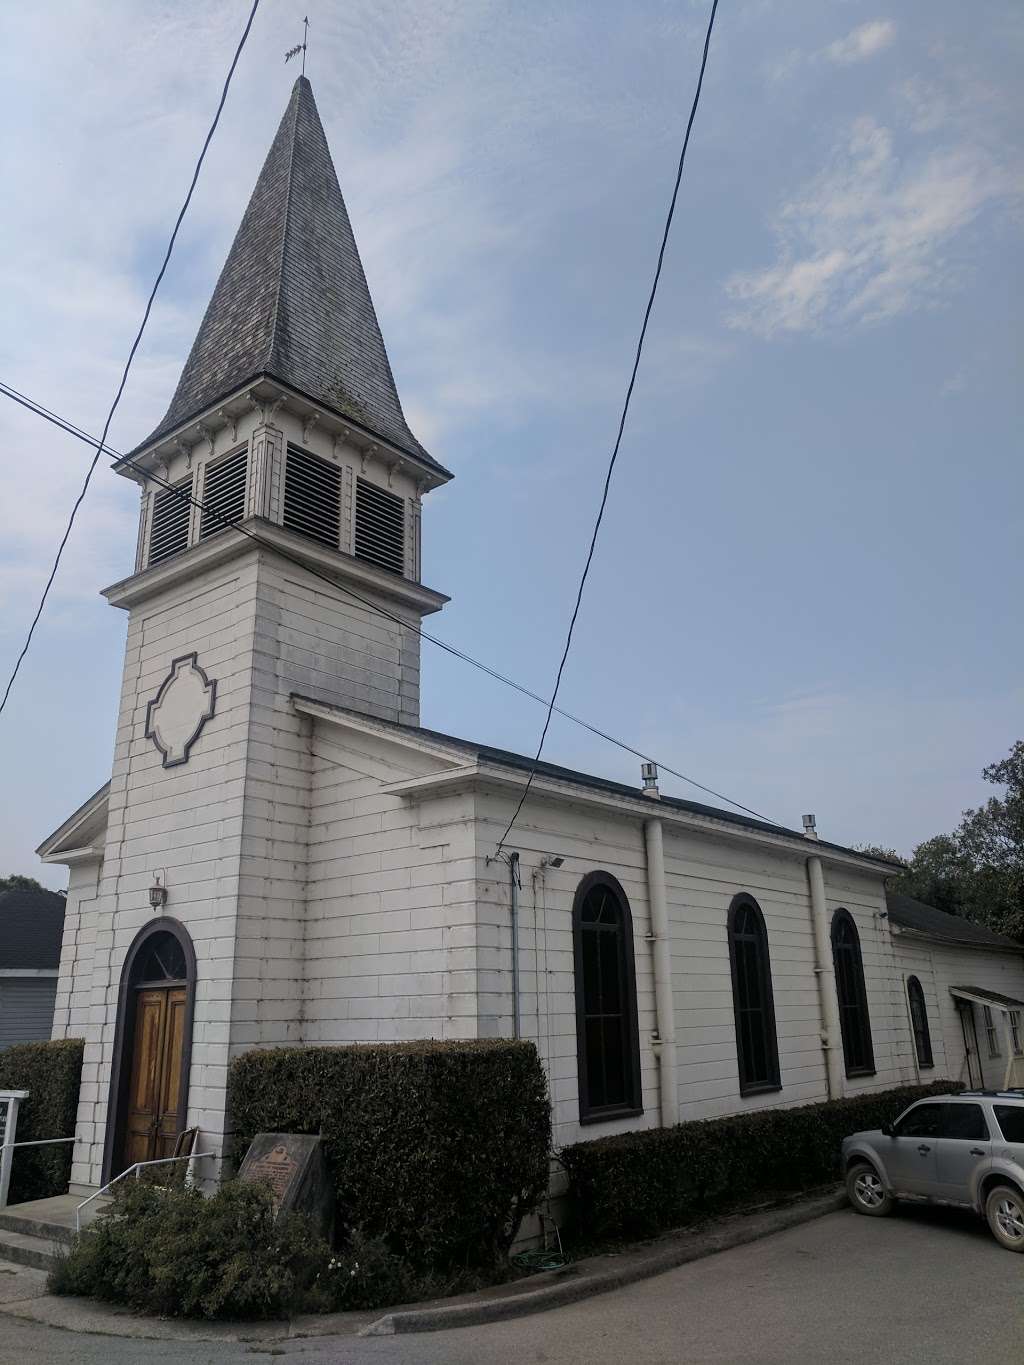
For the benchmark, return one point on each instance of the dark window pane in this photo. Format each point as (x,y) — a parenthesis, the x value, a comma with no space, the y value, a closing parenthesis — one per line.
(1011,1121)
(925,1120)
(756,1044)
(966,1121)
(854,1022)
(605,1003)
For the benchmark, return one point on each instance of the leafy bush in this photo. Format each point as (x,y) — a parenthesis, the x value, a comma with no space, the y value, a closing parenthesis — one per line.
(441,1148)
(51,1072)
(637,1184)
(174,1253)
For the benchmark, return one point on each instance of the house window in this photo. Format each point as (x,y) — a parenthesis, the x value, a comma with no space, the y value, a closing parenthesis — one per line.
(607,1043)
(757,1047)
(1015,1033)
(168,534)
(919,1022)
(224,490)
(991,1032)
(380,526)
(854,1021)
(312,498)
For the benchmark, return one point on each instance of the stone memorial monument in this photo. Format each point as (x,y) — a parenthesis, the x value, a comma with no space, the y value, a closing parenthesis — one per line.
(294,1166)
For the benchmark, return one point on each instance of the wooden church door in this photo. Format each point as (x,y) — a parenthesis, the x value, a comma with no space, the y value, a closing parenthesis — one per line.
(152,1119)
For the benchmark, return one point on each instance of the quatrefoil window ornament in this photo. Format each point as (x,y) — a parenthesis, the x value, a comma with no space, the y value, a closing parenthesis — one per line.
(176,715)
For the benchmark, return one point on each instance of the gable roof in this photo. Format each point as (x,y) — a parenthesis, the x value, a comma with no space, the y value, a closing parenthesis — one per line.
(505,758)
(31,929)
(292,302)
(925,919)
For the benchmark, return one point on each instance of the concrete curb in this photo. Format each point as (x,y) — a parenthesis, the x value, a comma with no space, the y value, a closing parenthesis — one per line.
(687,1247)
(550,1289)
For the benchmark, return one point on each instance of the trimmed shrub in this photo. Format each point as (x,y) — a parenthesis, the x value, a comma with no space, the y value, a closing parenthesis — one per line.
(171,1252)
(638,1184)
(441,1148)
(51,1072)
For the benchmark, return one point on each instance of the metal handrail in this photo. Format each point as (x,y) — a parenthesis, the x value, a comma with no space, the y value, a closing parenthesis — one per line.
(137,1167)
(39,1142)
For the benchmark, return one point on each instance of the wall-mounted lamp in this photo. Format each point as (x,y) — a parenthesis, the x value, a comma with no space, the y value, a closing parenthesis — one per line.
(158,894)
(551,862)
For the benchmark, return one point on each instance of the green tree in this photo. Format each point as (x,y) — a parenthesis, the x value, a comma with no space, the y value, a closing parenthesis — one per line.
(978,870)
(16,882)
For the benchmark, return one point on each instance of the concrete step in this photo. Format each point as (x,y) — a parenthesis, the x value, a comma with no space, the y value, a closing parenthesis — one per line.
(52,1219)
(24,1249)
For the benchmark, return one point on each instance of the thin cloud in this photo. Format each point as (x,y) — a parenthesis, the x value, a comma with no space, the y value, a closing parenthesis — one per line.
(863,42)
(870,238)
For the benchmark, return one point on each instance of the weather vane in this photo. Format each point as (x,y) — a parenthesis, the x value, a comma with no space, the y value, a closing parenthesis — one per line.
(300,47)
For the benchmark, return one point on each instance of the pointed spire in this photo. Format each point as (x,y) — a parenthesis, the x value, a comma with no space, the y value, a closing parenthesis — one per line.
(292,301)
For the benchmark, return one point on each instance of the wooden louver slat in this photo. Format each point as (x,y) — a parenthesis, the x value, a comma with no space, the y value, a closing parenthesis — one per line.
(312,497)
(380,526)
(169,532)
(224,489)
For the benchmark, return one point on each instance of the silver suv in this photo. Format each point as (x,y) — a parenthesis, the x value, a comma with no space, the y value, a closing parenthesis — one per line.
(965,1149)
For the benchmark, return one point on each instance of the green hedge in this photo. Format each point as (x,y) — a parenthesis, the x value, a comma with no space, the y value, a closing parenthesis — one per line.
(638,1184)
(440,1147)
(52,1073)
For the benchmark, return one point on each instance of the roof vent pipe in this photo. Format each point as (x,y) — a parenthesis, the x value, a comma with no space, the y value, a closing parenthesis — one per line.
(810,827)
(649,772)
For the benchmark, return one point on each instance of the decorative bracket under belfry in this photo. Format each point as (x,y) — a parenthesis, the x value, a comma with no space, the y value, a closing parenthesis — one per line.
(308,424)
(176,715)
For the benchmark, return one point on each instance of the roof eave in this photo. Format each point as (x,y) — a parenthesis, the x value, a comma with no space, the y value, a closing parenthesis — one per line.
(948,941)
(262,390)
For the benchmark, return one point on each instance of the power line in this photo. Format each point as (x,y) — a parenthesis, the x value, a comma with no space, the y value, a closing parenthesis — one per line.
(618,437)
(131,356)
(39,410)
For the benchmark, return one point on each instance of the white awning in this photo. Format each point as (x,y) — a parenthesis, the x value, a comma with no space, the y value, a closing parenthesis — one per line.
(980,996)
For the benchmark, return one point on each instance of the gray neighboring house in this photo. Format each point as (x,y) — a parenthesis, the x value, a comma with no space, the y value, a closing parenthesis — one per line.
(31,929)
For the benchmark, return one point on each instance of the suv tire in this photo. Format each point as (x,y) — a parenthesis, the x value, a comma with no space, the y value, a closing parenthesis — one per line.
(866,1192)
(1004,1210)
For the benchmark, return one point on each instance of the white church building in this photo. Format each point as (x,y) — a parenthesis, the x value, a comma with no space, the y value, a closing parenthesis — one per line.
(283,855)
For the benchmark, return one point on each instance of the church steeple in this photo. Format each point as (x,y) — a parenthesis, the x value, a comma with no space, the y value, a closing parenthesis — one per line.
(292,302)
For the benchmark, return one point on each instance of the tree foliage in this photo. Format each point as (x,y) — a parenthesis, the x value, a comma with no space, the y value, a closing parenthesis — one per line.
(16,882)
(978,870)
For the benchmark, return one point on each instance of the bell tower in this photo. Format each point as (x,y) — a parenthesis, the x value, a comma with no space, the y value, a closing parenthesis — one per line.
(278,555)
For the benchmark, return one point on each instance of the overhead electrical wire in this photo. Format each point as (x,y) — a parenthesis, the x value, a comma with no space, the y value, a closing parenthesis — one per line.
(131,355)
(618,437)
(39,410)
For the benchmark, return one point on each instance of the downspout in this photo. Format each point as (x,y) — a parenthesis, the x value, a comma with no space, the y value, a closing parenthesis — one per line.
(513,900)
(824,971)
(664,1006)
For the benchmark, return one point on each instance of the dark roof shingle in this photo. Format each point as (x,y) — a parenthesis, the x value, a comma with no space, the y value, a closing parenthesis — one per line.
(31,929)
(292,300)
(925,919)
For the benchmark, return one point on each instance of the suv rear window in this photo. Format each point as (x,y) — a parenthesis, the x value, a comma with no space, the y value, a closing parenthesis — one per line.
(1010,1118)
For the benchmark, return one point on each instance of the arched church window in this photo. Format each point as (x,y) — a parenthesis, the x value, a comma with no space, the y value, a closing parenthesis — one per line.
(757,1048)
(607,1043)
(919,1022)
(854,1020)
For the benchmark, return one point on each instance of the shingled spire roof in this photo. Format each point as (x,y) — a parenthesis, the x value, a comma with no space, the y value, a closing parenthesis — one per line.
(292,301)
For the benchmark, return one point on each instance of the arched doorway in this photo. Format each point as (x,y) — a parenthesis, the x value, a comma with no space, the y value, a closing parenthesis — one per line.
(152,1047)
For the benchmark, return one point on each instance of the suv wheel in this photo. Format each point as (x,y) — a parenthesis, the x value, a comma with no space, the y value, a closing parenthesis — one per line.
(866,1192)
(1004,1209)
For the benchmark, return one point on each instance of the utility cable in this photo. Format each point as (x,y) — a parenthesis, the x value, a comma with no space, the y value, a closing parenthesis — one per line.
(131,356)
(65,425)
(618,437)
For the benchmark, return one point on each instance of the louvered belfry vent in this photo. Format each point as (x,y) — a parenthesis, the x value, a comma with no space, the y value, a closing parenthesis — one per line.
(312,497)
(169,533)
(224,493)
(380,526)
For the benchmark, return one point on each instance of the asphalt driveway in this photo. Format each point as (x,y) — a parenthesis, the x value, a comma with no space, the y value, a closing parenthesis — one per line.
(928,1285)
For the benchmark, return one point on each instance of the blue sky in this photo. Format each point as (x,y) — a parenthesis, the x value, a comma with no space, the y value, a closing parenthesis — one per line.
(807,589)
